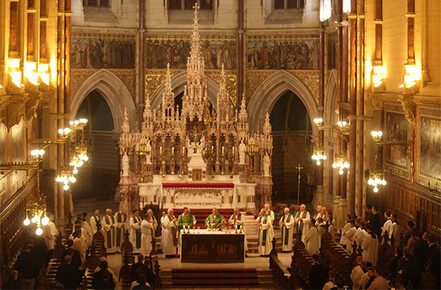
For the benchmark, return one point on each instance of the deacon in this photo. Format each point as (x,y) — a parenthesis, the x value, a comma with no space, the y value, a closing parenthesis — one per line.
(109,227)
(214,220)
(312,239)
(302,219)
(135,231)
(121,220)
(186,219)
(169,239)
(88,229)
(148,227)
(95,220)
(50,233)
(269,211)
(287,226)
(236,219)
(370,246)
(266,233)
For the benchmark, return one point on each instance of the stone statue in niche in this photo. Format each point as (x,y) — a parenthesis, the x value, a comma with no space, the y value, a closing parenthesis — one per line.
(125,164)
(266,165)
(242,148)
(148,157)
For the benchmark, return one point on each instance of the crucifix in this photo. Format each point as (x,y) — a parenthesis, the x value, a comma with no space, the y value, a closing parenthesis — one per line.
(299,168)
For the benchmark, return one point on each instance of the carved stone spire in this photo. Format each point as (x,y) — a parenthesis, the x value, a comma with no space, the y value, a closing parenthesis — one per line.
(168,98)
(267,125)
(125,127)
(223,104)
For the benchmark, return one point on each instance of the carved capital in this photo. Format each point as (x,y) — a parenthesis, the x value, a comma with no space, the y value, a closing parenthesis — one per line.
(409,108)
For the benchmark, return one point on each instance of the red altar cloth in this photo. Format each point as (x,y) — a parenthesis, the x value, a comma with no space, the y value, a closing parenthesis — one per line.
(198,185)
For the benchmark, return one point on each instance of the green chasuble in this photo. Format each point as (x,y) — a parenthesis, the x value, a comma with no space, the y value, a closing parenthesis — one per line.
(219,218)
(185,220)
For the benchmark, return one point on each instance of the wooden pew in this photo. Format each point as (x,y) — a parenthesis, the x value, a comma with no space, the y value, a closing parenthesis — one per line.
(93,261)
(281,275)
(98,241)
(301,264)
(125,274)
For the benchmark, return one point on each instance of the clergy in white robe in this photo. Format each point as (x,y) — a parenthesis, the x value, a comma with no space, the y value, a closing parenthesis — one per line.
(385,230)
(287,229)
(318,213)
(236,220)
(269,212)
(321,229)
(169,238)
(312,239)
(121,220)
(302,222)
(88,229)
(109,231)
(95,219)
(50,233)
(135,231)
(148,227)
(78,244)
(360,233)
(357,273)
(344,239)
(370,246)
(266,233)
(349,235)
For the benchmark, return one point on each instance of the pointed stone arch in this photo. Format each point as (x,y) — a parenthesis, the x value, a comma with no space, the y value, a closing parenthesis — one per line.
(178,82)
(114,93)
(267,94)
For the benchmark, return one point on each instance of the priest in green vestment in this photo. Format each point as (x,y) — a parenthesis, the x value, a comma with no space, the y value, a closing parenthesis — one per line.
(135,231)
(122,221)
(287,228)
(186,219)
(214,219)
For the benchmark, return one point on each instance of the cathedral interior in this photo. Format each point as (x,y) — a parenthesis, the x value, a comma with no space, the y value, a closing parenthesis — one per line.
(159,104)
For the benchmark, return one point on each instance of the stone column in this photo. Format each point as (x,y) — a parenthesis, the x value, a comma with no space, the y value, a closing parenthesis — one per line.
(240,50)
(141,74)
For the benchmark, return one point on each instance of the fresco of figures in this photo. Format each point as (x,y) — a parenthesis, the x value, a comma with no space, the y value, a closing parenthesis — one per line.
(397,131)
(430,150)
(289,54)
(101,51)
(175,51)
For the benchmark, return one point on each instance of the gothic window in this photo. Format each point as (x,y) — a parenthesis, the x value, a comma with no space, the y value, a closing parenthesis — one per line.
(96,3)
(181,11)
(289,4)
(188,4)
(283,11)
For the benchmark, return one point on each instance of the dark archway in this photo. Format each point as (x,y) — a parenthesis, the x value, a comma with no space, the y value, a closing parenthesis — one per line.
(291,133)
(100,175)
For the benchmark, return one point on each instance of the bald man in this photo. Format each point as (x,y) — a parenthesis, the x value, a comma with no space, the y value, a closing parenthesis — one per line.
(287,228)
(109,232)
(302,220)
(169,239)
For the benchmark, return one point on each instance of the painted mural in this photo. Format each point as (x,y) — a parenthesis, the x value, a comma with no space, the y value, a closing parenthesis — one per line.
(282,53)
(96,51)
(430,147)
(397,129)
(176,49)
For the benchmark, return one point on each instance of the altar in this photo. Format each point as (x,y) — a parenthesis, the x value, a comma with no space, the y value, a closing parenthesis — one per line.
(204,246)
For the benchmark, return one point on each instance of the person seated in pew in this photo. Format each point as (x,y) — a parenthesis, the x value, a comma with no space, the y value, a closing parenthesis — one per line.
(139,268)
(331,283)
(67,275)
(214,220)
(318,274)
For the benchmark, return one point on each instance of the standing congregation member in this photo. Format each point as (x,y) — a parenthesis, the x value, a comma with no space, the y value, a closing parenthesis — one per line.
(121,220)
(370,246)
(186,219)
(236,219)
(169,239)
(311,239)
(95,220)
(214,219)
(302,219)
(28,267)
(86,226)
(266,233)
(287,226)
(135,231)
(269,212)
(148,227)
(50,233)
(109,227)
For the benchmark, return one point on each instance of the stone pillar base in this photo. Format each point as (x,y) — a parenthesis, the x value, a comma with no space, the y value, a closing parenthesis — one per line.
(318,196)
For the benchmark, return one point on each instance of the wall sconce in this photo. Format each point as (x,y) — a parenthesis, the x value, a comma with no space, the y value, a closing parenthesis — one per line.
(341,163)
(43,71)
(378,76)
(14,72)
(30,72)
(376,178)
(410,78)
(319,155)
(318,121)
(66,178)
(377,135)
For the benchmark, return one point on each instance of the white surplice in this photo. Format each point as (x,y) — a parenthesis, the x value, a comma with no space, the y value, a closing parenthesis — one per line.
(169,242)
(135,233)
(266,235)
(370,248)
(147,235)
(311,241)
(89,232)
(94,221)
(356,275)
(50,234)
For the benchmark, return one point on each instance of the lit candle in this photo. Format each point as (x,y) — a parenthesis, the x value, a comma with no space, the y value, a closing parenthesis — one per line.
(183,150)
(233,151)
(160,150)
(173,150)
(223,150)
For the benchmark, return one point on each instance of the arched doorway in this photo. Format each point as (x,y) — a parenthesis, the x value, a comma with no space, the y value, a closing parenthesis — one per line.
(292,131)
(99,177)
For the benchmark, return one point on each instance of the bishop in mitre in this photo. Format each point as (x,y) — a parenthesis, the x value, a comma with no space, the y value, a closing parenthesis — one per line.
(135,231)
(236,220)
(266,233)
(95,220)
(302,219)
(287,229)
(121,220)
(148,228)
(214,219)
(169,238)
(186,219)
(109,231)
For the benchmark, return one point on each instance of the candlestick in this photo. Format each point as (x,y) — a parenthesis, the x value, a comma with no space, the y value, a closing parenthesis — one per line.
(232,151)
(173,150)
(160,150)
(223,150)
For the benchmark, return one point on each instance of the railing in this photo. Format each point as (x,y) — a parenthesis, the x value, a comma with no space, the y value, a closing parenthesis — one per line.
(281,275)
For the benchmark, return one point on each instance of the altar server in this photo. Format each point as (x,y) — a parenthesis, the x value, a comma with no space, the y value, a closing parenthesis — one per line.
(266,233)
(385,230)
(236,219)
(109,232)
(148,227)
(121,222)
(394,233)
(360,233)
(50,233)
(80,246)
(344,241)
(88,229)
(95,220)
(287,229)
(370,246)
(186,219)
(214,220)
(312,239)
(135,231)
(269,212)
(302,219)
(169,239)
